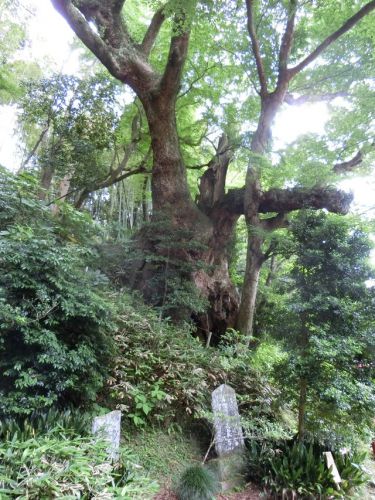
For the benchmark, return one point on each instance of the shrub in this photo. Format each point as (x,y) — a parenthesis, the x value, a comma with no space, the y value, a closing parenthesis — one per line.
(55,320)
(291,468)
(197,483)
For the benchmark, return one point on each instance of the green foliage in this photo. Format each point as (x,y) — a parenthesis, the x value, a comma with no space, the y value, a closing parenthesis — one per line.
(197,483)
(77,119)
(13,38)
(351,471)
(54,318)
(161,373)
(261,409)
(61,463)
(292,468)
(50,422)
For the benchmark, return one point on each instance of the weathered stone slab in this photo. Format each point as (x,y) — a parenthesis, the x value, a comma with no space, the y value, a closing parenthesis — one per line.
(108,427)
(229,441)
(332,464)
(227,424)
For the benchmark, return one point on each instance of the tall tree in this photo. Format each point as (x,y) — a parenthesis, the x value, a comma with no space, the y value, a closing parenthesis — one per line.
(274,83)
(103,26)
(330,340)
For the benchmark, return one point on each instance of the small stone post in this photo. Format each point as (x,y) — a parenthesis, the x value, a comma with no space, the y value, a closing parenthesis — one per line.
(229,441)
(108,427)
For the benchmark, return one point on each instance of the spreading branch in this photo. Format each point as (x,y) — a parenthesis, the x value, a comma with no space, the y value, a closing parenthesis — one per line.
(352,21)
(287,41)
(196,80)
(141,169)
(348,166)
(255,47)
(178,49)
(152,32)
(289,200)
(85,33)
(110,42)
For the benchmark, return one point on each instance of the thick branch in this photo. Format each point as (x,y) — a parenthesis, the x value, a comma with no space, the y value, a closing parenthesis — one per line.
(255,47)
(369,7)
(111,44)
(82,29)
(288,200)
(348,166)
(178,49)
(152,32)
(287,40)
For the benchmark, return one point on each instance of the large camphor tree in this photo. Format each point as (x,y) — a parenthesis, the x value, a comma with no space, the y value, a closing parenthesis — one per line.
(288,51)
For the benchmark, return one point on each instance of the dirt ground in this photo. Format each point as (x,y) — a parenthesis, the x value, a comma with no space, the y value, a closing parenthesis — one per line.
(251,492)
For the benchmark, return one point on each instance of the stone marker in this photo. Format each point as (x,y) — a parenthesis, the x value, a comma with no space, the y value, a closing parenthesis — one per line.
(228,430)
(229,441)
(331,463)
(108,427)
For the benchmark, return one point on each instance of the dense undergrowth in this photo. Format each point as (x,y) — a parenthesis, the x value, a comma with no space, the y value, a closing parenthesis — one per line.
(71,338)
(55,317)
(163,374)
(50,456)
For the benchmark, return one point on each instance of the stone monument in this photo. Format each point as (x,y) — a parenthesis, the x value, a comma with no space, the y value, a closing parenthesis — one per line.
(331,464)
(108,427)
(229,441)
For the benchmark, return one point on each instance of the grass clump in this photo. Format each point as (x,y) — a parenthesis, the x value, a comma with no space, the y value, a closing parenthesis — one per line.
(39,461)
(161,452)
(197,483)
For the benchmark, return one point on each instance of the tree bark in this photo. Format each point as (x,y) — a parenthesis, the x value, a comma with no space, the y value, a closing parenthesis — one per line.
(45,181)
(62,193)
(254,261)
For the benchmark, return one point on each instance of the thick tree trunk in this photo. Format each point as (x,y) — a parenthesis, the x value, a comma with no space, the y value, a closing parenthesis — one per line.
(213,281)
(45,181)
(189,237)
(270,105)
(170,192)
